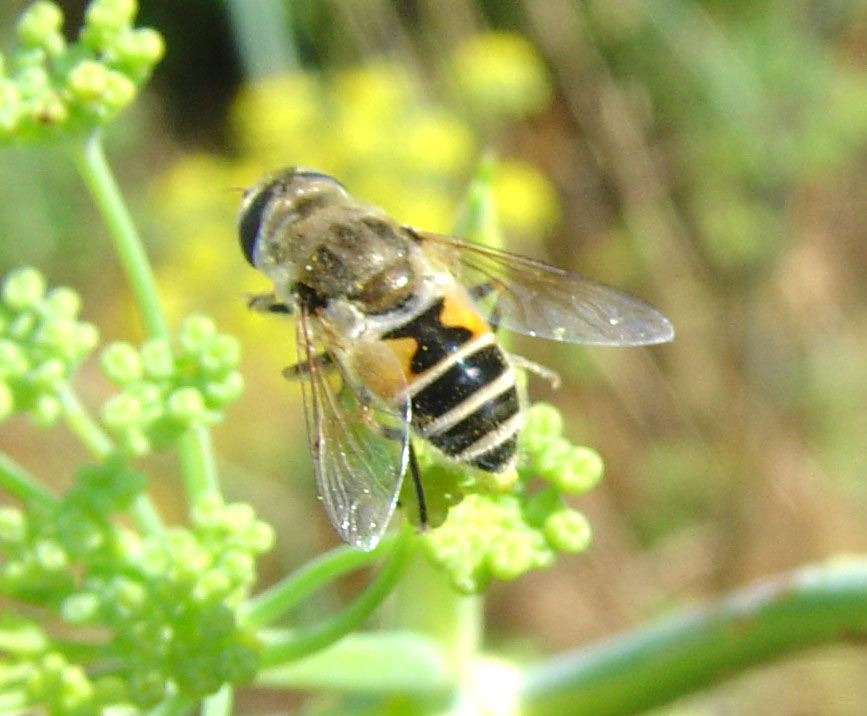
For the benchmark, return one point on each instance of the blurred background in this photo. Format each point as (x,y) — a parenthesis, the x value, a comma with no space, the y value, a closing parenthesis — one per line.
(710,157)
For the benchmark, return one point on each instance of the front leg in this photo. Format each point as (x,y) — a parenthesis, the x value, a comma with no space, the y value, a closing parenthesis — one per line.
(320,360)
(268,303)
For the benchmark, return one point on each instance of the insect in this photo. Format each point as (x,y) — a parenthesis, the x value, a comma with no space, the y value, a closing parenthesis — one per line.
(394,337)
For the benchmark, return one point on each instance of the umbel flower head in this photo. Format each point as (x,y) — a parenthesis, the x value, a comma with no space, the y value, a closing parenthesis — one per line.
(41,343)
(505,527)
(51,88)
(167,388)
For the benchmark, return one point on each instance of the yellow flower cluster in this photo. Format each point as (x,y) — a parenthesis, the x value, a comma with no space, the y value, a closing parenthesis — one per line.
(500,73)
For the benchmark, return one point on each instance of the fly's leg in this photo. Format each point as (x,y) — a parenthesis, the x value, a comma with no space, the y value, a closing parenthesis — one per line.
(268,303)
(415,474)
(551,376)
(486,289)
(321,360)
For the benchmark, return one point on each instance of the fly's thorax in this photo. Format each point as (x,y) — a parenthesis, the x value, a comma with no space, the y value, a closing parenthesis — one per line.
(352,251)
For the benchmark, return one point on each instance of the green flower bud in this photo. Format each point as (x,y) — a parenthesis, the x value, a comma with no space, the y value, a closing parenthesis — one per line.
(213,586)
(550,458)
(238,516)
(13,526)
(207,510)
(110,14)
(63,302)
(136,442)
(137,51)
(150,396)
(48,376)
(58,335)
(196,333)
(13,361)
(31,76)
(579,472)
(11,109)
(567,531)
(260,537)
(119,92)
(241,660)
(146,688)
(81,608)
(86,338)
(23,289)
(50,555)
(128,596)
(45,411)
(500,482)
(186,405)
(50,110)
(239,566)
(76,690)
(221,355)
(542,421)
(157,359)
(121,363)
(121,411)
(220,393)
(87,81)
(514,553)
(7,400)
(40,21)
(21,326)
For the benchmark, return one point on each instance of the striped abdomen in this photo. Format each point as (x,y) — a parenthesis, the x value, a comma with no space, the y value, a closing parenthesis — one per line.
(462,385)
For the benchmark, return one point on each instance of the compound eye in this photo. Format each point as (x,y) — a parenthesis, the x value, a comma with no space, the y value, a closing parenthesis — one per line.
(251,221)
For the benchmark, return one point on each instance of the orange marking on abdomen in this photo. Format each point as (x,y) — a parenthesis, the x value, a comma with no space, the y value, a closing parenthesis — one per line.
(423,345)
(404,349)
(460,312)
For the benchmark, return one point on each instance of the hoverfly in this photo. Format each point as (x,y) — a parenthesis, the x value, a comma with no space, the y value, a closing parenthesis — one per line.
(394,337)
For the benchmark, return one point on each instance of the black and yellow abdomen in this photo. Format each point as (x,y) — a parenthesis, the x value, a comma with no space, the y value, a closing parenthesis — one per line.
(461,383)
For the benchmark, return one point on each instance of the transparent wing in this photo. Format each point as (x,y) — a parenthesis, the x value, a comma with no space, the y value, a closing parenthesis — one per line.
(358,444)
(531,297)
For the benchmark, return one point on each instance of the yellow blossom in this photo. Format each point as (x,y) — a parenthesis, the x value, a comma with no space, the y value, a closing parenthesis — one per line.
(526,201)
(500,74)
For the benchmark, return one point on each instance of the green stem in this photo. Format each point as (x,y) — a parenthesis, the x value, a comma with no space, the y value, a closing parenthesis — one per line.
(197,463)
(263,36)
(195,454)
(145,515)
(376,662)
(695,648)
(477,218)
(276,601)
(95,172)
(426,603)
(83,425)
(20,484)
(304,642)
(220,703)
